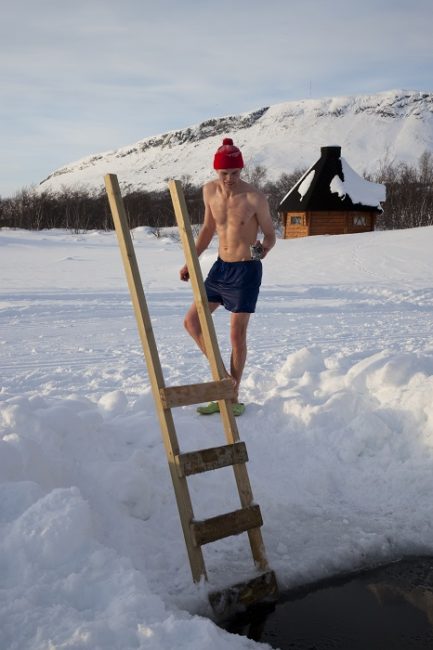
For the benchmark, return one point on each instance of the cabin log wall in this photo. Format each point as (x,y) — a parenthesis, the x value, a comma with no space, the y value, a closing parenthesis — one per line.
(326,223)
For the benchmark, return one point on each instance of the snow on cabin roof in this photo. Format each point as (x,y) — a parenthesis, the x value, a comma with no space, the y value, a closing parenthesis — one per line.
(332,185)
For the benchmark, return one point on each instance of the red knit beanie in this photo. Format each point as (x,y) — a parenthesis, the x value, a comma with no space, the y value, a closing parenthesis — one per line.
(228,156)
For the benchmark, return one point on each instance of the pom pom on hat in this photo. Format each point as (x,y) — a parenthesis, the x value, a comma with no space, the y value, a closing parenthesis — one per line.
(228,156)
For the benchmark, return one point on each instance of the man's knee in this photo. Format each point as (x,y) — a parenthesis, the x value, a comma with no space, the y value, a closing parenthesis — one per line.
(187,323)
(192,324)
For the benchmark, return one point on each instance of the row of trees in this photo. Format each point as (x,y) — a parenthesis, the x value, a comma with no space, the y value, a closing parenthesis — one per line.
(80,210)
(409,193)
(409,202)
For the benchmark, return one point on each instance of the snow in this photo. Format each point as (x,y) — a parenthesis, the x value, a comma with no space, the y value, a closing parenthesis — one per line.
(357,188)
(339,431)
(305,185)
(372,130)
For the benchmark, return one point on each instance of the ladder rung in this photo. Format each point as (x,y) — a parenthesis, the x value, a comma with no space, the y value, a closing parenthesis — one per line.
(196,393)
(232,523)
(204,460)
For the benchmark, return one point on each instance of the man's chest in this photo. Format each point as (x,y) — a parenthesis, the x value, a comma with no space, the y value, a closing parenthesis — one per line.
(234,211)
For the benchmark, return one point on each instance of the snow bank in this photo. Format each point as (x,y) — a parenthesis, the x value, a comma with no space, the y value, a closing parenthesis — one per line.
(65,486)
(339,431)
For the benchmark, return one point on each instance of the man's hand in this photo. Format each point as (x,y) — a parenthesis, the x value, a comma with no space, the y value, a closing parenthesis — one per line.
(257,250)
(264,249)
(184,273)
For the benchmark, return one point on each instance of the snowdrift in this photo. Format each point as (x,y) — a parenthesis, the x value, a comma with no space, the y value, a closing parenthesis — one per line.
(339,431)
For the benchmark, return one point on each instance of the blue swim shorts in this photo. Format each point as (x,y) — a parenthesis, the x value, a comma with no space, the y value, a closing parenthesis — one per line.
(235,285)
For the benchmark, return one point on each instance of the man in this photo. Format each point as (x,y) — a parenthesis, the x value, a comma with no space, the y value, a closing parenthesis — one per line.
(235,211)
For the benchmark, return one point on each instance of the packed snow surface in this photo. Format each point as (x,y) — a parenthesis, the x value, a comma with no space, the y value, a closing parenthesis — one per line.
(338,427)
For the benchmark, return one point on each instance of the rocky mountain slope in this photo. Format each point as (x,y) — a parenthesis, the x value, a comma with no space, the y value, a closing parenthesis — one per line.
(371,129)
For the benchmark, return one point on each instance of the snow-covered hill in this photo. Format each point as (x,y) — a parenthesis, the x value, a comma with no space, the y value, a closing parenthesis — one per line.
(394,126)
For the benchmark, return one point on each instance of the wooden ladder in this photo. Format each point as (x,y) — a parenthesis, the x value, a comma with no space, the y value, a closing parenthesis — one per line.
(248,518)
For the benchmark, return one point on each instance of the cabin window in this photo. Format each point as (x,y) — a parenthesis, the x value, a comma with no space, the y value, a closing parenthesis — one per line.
(295,220)
(360,220)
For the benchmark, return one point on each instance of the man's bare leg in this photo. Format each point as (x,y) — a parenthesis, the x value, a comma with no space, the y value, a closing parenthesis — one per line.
(193,327)
(238,335)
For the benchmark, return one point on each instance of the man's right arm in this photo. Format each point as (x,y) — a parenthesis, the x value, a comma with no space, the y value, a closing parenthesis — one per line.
(264,219)
(205,234)
(207,229)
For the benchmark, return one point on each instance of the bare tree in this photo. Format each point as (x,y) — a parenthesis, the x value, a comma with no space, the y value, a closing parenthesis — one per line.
(409,201)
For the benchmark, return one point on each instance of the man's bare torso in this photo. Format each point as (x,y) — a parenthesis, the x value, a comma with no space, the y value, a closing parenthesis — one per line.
(235,216)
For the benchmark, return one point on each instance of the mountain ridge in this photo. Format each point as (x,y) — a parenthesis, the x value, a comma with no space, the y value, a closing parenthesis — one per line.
(393,126)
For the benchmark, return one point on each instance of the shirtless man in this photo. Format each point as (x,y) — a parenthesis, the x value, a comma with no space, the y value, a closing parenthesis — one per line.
(235,211)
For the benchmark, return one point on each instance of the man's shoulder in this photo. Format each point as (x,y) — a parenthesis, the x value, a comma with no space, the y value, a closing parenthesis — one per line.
(209,190)
(253,192)
(210,186)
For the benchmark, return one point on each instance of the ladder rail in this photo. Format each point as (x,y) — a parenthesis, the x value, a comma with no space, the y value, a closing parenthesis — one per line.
(214,358)
(154,368)
(196,278)
(248,519)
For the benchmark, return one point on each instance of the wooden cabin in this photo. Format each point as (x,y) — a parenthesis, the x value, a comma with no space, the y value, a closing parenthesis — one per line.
(331,199)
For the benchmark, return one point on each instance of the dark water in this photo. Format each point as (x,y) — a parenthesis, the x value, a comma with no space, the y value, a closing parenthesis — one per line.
(387,608)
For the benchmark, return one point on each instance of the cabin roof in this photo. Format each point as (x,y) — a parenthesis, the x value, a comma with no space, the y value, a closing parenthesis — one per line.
(332,185)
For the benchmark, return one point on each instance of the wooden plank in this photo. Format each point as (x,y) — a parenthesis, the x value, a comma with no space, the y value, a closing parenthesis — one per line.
(196,393)
(200,299)
(231,523)
(291,233)
(145,330)
(263,588)
(205,460)
(215,361)
(196,278)
(132,273)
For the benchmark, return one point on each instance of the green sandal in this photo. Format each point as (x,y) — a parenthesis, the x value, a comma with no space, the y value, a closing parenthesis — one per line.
(210,409)
(237,408)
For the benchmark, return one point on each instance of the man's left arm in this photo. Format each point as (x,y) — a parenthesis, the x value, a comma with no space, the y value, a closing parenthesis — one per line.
(264,219)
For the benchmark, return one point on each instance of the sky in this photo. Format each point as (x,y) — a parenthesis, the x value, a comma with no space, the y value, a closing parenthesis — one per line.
(90,76)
